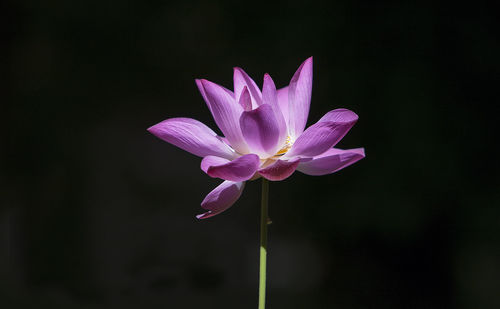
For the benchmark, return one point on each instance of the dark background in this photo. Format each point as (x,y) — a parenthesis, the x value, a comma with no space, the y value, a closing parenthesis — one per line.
(97,213)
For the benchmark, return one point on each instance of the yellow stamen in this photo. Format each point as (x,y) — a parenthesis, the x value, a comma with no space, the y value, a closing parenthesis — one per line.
(288,145)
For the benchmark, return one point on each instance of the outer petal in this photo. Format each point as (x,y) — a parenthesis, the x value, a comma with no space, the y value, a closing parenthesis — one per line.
(192,136)
(203,93)
(283,102)
(324,134)
(261,130)
(221,198)
(340,115)
(226,113)
(240,169)
(280,169)
(331,161)
(299,98)
(241,79)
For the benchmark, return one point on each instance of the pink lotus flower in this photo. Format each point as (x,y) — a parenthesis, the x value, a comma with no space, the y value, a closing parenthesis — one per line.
(264,135)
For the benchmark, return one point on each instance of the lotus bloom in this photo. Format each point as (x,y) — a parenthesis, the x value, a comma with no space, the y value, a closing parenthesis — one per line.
(264,135)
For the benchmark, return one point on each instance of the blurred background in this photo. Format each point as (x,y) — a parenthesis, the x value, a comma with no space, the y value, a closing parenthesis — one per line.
(97,213)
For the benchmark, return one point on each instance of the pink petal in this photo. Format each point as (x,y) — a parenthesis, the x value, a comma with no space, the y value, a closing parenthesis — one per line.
(209,161)
(192,136)
(299,98)
(331,161)
(241,79)
(280,169)
(283,102)
(203,93)
(245,100)
(221,198)
(226,113)
(261,130)
(240,169)
(269,96)
(324,134)
(340,115)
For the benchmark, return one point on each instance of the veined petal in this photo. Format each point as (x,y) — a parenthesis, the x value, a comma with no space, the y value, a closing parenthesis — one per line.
(269,91)
(241,80)
(199,84)
(283,102)
(331,161)
(280,169)
(192,136)
(203,93)
(269,96)
(221,198)
(239,169)
(226,112)
(261,130)
(299,98)
(324,134)
(342,115)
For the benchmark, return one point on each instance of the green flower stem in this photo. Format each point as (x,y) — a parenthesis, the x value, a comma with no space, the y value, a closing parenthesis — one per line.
(264,221)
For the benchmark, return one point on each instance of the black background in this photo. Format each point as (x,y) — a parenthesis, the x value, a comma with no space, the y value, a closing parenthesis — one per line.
(97,213)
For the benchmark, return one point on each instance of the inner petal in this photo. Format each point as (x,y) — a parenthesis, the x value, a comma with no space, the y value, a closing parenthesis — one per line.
(261,131)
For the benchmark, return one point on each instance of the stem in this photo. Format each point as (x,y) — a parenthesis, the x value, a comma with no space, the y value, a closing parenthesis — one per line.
(263,243)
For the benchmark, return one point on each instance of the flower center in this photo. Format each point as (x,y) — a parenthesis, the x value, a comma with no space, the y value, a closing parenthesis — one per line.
(288,145)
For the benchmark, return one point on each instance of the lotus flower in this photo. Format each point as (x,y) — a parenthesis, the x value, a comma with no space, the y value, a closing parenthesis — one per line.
(264,135)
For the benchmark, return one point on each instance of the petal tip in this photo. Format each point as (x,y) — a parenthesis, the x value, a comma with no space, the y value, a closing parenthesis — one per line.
(155,129)
(268,82)
(221,198)
(341,115)
(207,83)
(305,66)
(198,82)
(238,70)
(206,215)
(360,151)
(203,215)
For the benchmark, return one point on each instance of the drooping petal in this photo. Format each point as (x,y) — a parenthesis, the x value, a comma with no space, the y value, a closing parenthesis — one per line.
(226,112)
(221,198)
(324,134)
(241,80)
(245,100)
(269,96)
(239,169)
(299,98)
(331,161)
(283,102)
(192,136)
(261,131)
(280,170)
